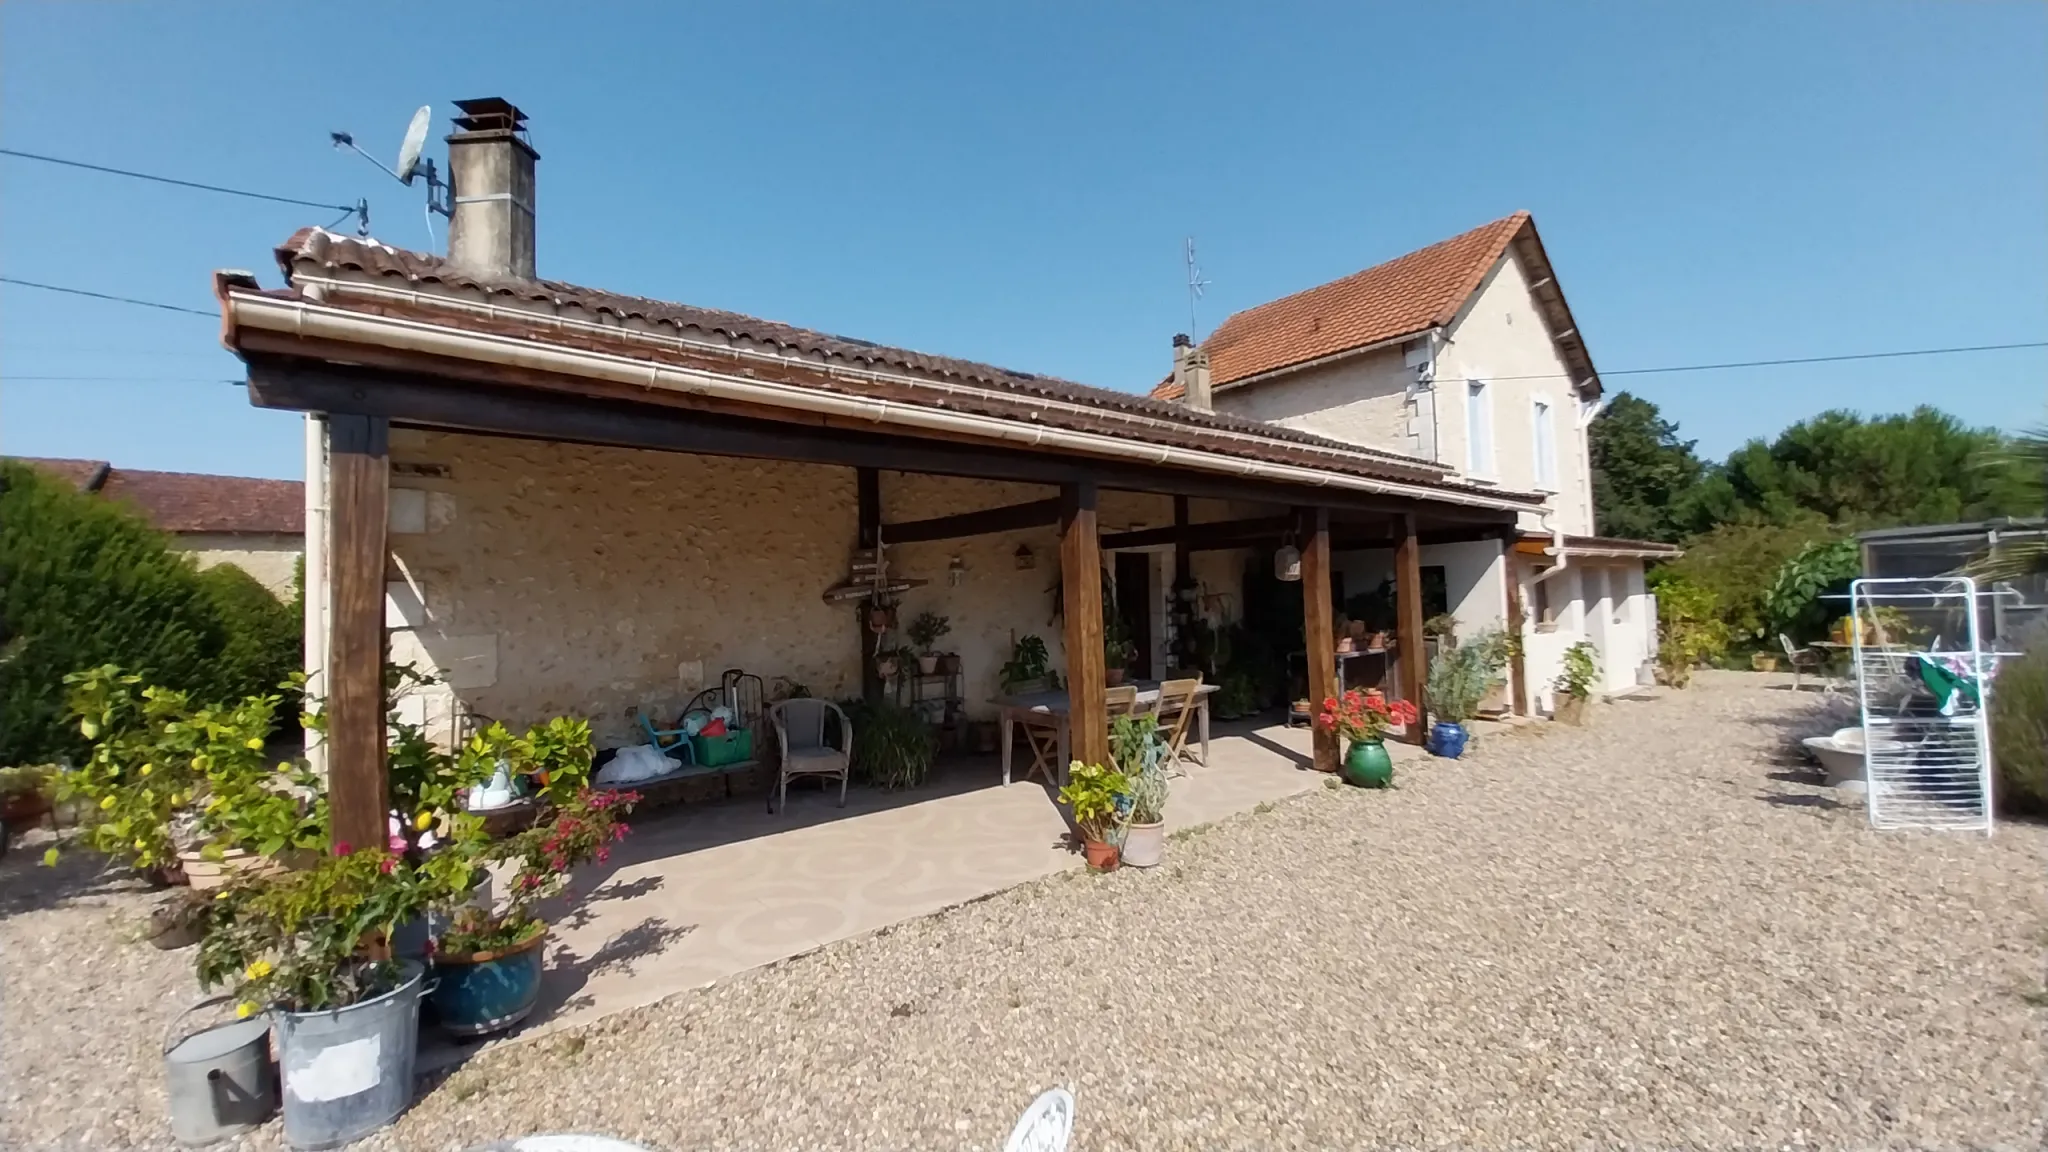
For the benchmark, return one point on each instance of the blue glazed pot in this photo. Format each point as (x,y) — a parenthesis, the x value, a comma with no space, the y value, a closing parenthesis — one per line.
(489,991)
(1447,740)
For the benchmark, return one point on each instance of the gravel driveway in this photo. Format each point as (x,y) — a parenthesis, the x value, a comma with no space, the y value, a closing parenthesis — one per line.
(1643,933)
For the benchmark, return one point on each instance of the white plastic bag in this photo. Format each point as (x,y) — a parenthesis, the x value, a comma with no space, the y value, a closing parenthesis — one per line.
(640,762)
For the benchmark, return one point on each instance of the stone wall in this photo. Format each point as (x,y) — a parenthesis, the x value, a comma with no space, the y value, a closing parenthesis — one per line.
(560,579)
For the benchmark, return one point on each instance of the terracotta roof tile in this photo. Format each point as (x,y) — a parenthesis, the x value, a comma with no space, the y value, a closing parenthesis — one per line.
(314,252)
(191,501)
(1405,296)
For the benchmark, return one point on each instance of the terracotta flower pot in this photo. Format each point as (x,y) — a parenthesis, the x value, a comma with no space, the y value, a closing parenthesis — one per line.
(949,663)
(1345,644)
(203,874)
(1377,642)
(1101,854)
(1113,676)
(928,664)
(23,809)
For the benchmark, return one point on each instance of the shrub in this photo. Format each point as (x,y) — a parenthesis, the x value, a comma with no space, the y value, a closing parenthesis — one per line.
(2019,728)
(1690,630)
(264,639)
(1739,562)
(83,583)
(1793,605)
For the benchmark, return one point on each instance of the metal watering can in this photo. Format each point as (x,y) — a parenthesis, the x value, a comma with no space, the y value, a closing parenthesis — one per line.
(219,1080)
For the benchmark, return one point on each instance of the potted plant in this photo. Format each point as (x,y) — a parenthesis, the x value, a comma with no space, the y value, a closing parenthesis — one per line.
(1458,680)
(893,746)
(25,794)
(1136,746)
(949,663)
(1443,626)
(888,661)
(1117,650)
(488,960)
(1362,720)
(925,632)
(1093,795)
(1763,661)
(881,616)
(184,791)
(1574,685)
(1029,663)
(310,947)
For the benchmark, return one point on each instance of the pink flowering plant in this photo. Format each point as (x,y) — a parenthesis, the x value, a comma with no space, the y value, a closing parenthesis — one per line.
(581,829)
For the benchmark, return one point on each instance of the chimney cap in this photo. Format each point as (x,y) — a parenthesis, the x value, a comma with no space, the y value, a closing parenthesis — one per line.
(1181,340)
(490,113)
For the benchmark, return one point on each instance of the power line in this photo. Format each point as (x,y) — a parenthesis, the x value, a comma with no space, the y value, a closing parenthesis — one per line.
(5,376)
(1791,360)
(105,296)
(348,211)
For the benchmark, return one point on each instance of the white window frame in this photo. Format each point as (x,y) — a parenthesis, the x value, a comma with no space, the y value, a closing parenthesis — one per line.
(1479,417)
(1543,449)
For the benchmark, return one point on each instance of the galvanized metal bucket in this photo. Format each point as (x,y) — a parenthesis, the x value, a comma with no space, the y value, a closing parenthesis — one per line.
(219,1080)
(348,1071)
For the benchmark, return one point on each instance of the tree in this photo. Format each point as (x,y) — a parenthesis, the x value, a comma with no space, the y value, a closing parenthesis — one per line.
(1643,474)
(1924,467)
(2026,456)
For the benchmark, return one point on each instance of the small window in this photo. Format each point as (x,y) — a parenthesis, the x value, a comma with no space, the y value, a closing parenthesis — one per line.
(1546,448)
(1479,429)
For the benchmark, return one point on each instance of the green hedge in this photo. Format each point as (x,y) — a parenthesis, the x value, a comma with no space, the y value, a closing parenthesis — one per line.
(85,582)
(2019,729)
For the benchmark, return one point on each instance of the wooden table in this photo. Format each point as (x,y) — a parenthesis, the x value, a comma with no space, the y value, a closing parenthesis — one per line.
(1020,709)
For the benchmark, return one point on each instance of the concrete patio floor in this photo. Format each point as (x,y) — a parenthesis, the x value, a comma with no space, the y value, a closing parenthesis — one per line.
(698,894)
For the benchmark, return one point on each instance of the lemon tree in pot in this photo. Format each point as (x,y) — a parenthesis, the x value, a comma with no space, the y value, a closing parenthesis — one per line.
(925,632)
(187,791)
(488,962)
(1096,797)
(310,946)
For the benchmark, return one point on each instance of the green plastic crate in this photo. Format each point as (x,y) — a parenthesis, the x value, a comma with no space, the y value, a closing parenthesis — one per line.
(718,751)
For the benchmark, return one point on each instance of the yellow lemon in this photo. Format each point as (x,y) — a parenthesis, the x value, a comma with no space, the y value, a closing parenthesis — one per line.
(254,742)
(245,1009)
(421,821)
(140,845)
(148,768)
(106,802)
(49,857)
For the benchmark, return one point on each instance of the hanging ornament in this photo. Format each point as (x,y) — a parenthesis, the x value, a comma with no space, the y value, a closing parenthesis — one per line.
(1287,563)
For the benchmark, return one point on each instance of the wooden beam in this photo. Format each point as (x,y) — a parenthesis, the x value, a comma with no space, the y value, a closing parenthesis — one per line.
(1182,557)
(868,500)
(1008,518)
(526,413)
(1312,527)
(358,489)
(1408,625)
(1081,600)
(1518,672)
(1205,534)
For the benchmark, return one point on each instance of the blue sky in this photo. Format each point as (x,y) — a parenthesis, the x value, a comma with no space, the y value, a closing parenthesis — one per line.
(1714,181)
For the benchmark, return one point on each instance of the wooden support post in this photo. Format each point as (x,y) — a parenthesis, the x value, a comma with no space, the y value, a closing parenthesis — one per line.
(1408,623)
(1317,624)
(1181,553)
(1081,596)
(1518,672)
(869,484)
(358,491)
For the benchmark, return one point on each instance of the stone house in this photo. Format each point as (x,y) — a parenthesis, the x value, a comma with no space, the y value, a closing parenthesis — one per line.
(1463,354)
(569,500)
(255,524)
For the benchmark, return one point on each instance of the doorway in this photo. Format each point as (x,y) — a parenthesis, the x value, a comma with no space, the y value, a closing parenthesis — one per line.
(1134,608)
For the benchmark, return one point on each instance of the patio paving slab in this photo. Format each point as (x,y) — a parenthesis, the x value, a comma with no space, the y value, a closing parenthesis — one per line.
(699,894)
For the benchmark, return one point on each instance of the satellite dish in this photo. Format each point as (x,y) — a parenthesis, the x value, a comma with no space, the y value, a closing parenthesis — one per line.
(415,139)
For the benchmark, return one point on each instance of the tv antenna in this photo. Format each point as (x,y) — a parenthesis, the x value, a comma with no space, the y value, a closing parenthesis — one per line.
(1195,286)
(411,165)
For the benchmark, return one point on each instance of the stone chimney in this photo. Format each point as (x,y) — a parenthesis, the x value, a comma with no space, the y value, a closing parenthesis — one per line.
(1191,372)
(490,175)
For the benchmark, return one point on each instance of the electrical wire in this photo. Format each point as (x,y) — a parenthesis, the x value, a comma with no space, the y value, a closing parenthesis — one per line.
(7,376)
(1844,358)
(348,211)
(105,296)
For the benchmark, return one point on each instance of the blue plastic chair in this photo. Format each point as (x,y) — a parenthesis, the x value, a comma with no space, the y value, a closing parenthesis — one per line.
(669,741)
